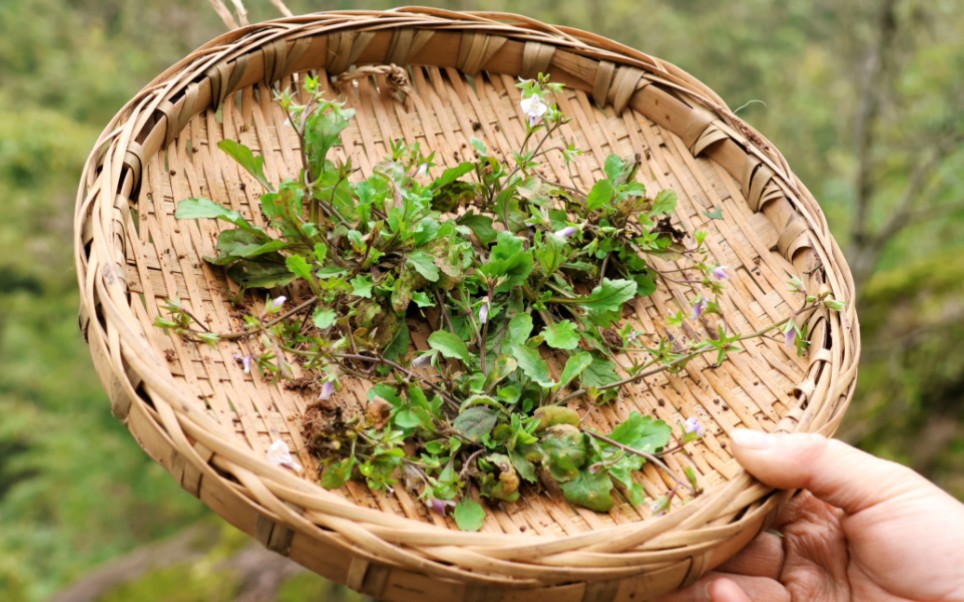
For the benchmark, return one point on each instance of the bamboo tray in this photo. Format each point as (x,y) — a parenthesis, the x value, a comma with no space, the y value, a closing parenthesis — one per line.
(209,424)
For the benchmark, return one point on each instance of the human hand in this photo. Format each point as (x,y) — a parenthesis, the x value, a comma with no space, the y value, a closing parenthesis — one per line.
(863,529)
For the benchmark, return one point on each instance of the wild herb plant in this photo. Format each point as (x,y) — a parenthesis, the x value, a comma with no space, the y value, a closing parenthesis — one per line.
(504,268)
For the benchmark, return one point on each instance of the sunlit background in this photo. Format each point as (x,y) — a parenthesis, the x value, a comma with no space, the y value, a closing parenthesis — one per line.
(865,98)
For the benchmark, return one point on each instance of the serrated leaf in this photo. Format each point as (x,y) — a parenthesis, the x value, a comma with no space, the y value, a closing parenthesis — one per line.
(643,433)
(424,264)
(510,260)
(422,299)
(449,345)
(362,286)
(590,490)
(561,335)
(469,514)
(520,327)
(575,366)
(614,167)
(665,202)
(338,474)
(609,296)
(532,365)
(298,266)
(476,422)
(715,213)
(324,318)
(600,196)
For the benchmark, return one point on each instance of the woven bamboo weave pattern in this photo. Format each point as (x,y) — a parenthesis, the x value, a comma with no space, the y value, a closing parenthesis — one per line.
(210,424)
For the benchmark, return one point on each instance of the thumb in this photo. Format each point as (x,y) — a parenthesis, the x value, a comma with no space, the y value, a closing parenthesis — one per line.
(833,471)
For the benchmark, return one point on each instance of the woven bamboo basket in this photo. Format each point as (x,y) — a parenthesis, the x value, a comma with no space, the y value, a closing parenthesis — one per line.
(210,424)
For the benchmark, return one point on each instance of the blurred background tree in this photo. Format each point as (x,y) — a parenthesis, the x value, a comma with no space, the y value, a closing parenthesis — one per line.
(865,98)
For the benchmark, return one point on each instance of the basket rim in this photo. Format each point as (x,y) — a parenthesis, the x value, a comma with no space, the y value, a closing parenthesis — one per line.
(104,291)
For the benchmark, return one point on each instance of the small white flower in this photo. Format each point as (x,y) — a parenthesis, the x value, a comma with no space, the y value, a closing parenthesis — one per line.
(279,454)
(566,232)
(287,123)
(422,169)
(534,108)
(484,311)
(245,362)
(276,303)
(422,361)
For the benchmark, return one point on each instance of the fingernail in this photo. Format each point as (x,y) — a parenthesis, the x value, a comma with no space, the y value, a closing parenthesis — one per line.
(748,439)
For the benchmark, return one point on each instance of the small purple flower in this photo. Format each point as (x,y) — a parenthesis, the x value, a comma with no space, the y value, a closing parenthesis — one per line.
(699,307)
(422,361)
(791,334)
(693,427)
(719,272)
(566,232)
(327,390)
(484,311)
(245,362)
(276,303)
(422,169)
(441,506)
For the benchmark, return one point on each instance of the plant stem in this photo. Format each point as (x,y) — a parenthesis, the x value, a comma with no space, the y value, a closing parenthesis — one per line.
(649,457)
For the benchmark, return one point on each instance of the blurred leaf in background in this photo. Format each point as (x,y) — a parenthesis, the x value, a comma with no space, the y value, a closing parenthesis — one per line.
(864,98)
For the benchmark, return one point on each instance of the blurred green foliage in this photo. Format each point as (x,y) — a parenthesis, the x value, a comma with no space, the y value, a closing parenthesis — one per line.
(863,97)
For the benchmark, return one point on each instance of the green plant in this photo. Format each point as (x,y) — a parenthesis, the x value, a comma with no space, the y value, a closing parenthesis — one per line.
(505,267)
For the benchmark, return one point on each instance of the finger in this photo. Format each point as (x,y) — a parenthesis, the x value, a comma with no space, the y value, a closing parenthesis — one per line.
(725,590)
(763,557)
(706,589)
(833,471)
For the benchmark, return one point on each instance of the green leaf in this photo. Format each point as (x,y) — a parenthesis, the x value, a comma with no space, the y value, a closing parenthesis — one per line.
(551,253)
(476,422)
(424,264)
(422,299)
(575,365)
(398,346)
(643,433)
(600,196)
(615,168)
(590,490)
(622,473)
(202,208)
(469,514)
(665,202)
(449,345)
(565,450)
(362,286)
(246,159)
(299,266)
(338,473)
(561,335)
(256,274)
(452,174)
(609,296)
(599,373)
(510,260)
(481,226)
(324,318)
(520,327)
(532,365)
(323,131)
(715,213)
